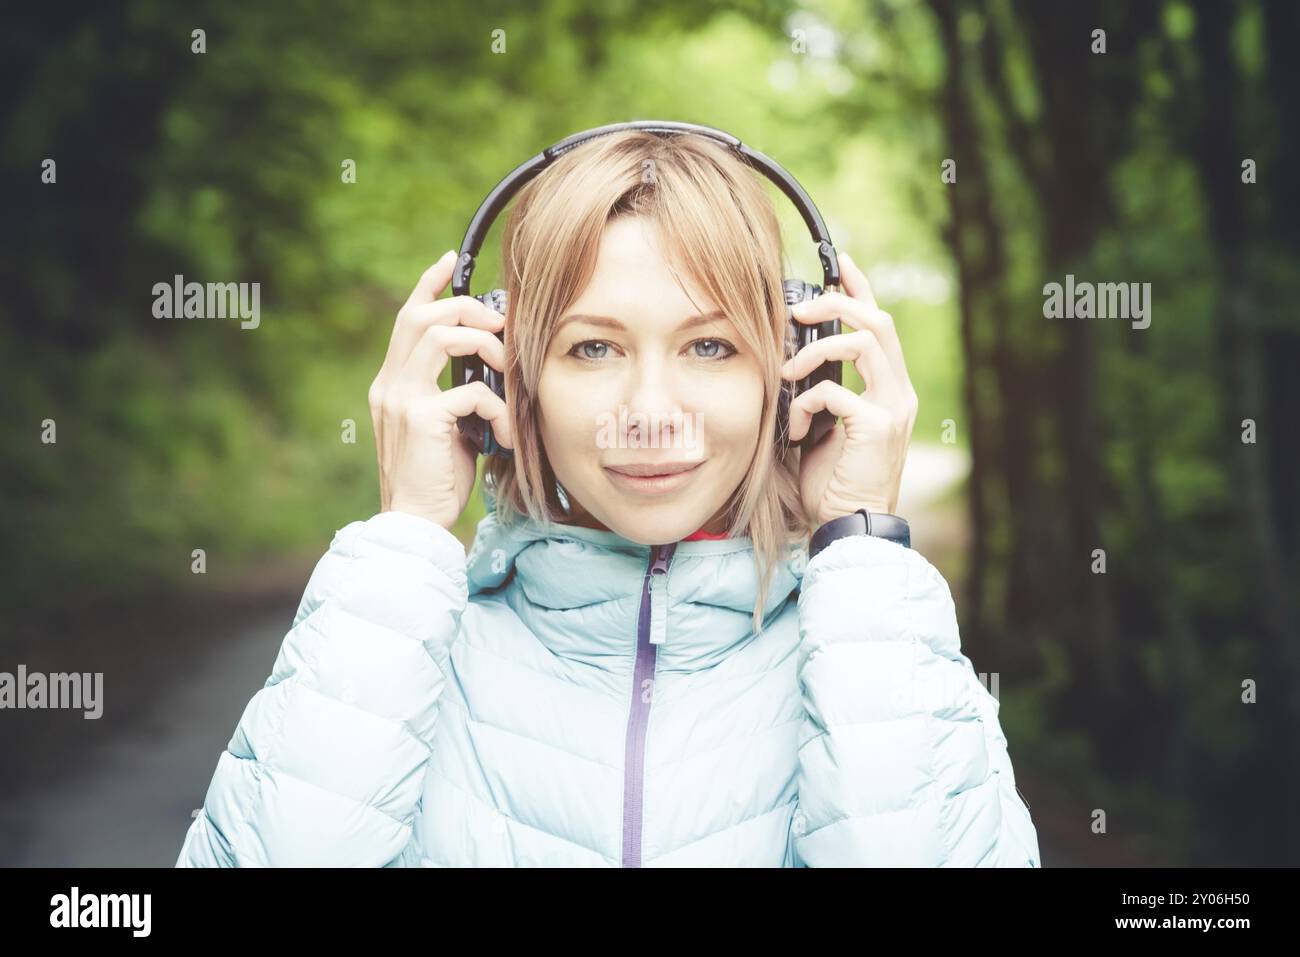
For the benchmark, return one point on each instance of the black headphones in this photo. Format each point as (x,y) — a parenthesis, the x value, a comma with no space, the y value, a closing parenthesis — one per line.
(466,369)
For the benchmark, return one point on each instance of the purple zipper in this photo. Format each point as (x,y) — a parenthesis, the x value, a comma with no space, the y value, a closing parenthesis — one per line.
(634,752)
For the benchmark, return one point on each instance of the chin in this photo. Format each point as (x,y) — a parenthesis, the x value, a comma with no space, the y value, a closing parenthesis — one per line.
(653,524)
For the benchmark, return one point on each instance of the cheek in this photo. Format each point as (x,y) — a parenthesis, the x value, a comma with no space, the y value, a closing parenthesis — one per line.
(567,411)
(732,411)
(732,432)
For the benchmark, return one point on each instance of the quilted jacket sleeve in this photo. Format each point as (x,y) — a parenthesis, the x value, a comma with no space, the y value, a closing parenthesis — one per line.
(902,761)
(325,766)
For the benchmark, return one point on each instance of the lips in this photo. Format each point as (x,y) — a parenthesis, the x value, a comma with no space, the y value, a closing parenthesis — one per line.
(664,478)
(653,469)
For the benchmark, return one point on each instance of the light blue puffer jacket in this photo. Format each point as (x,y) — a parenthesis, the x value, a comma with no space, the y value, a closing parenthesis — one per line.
(571,698)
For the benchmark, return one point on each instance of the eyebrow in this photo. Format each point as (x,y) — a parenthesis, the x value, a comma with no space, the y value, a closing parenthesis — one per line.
(609,322)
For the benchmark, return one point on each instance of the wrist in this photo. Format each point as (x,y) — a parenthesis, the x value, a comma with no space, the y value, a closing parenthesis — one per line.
(427,513)
(876,507)
(863,521)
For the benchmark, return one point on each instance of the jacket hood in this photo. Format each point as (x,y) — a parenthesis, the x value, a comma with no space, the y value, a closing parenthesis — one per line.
(580,589)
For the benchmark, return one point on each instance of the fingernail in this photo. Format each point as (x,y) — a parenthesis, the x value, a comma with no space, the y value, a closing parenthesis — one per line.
(449,252)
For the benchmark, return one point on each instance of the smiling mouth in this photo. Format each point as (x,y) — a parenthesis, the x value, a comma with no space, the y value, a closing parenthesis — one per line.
(654,469)
(663,477)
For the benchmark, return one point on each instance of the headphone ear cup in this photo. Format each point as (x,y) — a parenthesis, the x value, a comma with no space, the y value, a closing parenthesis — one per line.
(472,368)
(795,291)
(496,299)
(832,371)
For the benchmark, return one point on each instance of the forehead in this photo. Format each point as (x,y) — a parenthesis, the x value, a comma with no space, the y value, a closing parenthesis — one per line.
(633,277)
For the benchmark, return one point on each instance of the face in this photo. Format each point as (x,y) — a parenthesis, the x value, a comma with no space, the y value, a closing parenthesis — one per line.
(635,379)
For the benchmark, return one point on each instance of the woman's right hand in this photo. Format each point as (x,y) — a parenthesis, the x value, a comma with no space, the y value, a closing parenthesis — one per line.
(426,467)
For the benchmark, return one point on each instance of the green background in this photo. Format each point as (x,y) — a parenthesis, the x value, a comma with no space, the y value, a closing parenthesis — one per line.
(1120,692)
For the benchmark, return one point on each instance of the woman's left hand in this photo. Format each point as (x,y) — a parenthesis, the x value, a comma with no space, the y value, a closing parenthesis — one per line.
(859,463)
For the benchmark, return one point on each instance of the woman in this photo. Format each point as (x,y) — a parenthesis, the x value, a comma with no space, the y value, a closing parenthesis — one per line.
(625,671)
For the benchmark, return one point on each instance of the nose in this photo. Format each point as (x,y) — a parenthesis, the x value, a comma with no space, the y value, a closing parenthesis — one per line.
(654,415)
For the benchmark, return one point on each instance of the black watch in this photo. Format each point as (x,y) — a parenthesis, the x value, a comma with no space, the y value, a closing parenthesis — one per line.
(861,522)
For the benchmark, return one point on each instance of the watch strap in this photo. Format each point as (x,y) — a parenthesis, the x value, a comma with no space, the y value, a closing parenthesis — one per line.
(861,522)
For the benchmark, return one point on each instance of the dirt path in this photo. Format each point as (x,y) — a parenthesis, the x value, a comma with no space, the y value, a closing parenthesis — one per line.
(119,790)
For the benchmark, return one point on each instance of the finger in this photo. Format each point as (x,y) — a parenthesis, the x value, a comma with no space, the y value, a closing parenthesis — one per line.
(855,281)
(858,315)
(831,305)
(859,415)
(859,287)
(476,398)
(864,350)
(429,287)
(434,280)
(457,310)
(426,361)
(415,320)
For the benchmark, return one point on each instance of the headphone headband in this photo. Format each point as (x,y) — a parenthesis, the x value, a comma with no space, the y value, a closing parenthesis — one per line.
(505,190)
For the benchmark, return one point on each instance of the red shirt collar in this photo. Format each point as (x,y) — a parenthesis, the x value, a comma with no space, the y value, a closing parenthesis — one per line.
(704,536)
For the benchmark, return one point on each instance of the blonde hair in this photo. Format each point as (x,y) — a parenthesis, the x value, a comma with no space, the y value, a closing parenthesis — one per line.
(712,217)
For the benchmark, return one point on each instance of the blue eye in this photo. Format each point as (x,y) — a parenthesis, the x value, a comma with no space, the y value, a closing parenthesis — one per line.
(714,354)
(583,350)
(589,342)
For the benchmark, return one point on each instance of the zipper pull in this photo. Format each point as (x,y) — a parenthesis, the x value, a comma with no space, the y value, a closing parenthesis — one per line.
(659,594)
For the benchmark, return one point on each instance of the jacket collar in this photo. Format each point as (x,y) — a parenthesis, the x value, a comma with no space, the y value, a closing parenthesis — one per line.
(579,590)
